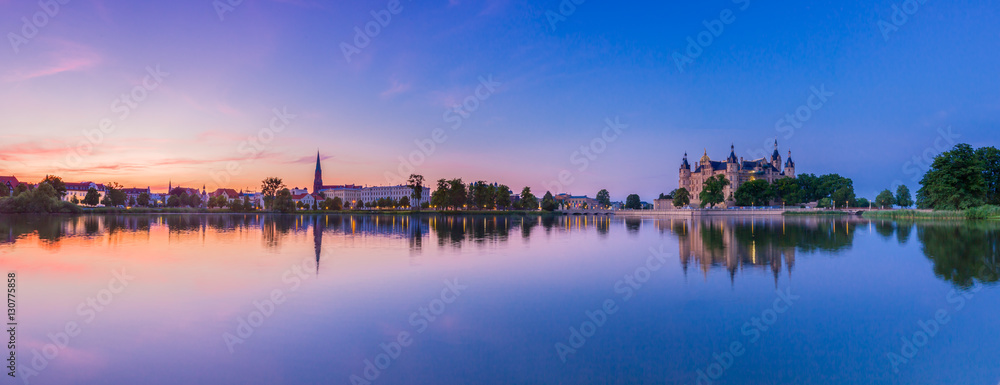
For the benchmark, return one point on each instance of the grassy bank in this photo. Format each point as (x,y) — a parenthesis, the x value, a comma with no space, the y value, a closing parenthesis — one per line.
(914,214)
(983,213)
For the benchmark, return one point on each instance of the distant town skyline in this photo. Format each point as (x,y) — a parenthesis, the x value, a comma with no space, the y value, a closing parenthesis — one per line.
(520,93)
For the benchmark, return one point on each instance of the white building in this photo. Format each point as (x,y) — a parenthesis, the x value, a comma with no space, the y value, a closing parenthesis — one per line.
(353,194)
(79,190)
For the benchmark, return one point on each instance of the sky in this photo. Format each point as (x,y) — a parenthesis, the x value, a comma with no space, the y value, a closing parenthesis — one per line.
(207,93)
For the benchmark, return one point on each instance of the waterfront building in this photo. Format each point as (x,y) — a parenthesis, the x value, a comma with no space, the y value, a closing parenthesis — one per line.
(576,201)
(79,190)
(9,181)
(736,170)
(352,194)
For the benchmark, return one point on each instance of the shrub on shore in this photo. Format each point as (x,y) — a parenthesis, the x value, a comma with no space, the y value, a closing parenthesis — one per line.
(41,200)
(983,212)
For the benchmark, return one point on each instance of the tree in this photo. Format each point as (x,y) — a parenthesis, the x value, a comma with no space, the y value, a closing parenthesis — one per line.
(456,193)
(283,201)
(143,199)
(131,201)
(903,197)
(528,200)
(787,190)
(989,159)
(862,202)
(439,198)
(825,203)
(4,191)
(753,193)
(885,199)
(192,200)
(269,188)
(844,194)
(56,183)
(336,204)
(548,202)
(682,197)
(954,182)
(74,200)
(116,193)
(21,189)
(107,200)
(503,197)
(632,202)
(712,194)
(93,198)
(416,182)
(404,202)
(604,198)
(174,201)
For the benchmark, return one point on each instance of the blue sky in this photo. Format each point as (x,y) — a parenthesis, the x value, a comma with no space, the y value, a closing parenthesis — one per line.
(891,98)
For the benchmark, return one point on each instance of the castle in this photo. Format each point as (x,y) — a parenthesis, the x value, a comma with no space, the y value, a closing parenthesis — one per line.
(737,171)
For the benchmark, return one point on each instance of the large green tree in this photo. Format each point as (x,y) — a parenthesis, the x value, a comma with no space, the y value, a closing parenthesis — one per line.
(604,198)
(439,198)
(457,194)
(269,188)
(528,200)
(885,199)
(788,191)
(503,197)
(416,182)
(93,198)
(753,193)
(56,183)
(903,197)
(143,199)
(549,202)
(633,202)
(682,197)
(989,158)
(283,201)
(954,182)
(712,194)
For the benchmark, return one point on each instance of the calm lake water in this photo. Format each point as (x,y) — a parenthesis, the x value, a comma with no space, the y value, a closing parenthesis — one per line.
(257,299)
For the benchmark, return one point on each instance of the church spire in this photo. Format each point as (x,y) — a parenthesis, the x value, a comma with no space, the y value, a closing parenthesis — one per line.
(318,181)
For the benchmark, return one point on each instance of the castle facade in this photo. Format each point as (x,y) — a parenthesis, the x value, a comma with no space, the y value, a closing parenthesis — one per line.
(736,170)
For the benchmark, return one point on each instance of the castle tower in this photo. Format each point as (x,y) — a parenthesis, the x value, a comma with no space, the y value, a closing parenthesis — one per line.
(318,181)
(776,157)
(790,166)
(685,179)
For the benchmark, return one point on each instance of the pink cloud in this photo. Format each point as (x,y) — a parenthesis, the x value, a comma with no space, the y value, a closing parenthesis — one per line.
(64,56)
(395,89)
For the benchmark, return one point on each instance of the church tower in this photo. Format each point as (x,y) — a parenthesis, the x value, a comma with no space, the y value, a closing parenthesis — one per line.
(776,157)
(318,181)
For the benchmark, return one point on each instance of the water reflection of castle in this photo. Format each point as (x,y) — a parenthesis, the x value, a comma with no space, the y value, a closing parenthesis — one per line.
(724,243)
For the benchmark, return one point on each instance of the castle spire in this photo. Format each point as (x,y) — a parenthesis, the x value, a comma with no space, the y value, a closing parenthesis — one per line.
(318,181)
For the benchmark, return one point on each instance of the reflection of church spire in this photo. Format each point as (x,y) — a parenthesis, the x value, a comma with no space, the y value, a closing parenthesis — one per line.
(317,239)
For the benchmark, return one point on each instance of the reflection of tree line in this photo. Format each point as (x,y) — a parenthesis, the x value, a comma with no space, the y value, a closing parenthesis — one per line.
(962,252)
